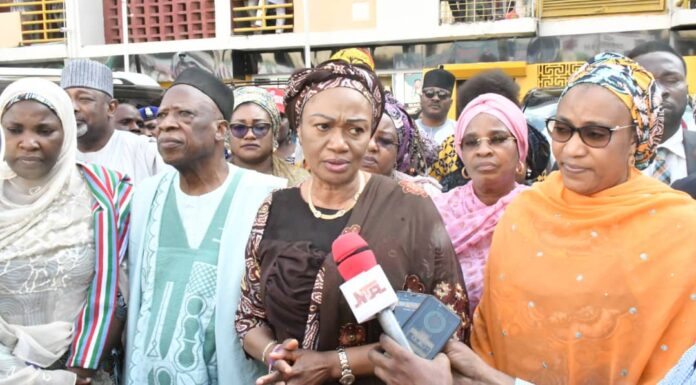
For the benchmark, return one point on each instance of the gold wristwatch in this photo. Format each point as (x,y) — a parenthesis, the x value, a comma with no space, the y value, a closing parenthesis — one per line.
(347,377)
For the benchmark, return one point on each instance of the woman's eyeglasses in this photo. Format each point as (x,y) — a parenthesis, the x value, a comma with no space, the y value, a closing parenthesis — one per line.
(259,130)
(493,141)
(595,136)
(430,93)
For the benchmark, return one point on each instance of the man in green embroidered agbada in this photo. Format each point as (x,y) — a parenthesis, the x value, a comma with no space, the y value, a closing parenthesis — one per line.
(189,231)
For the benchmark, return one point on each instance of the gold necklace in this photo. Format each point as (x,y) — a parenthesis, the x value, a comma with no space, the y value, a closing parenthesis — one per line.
(327,217)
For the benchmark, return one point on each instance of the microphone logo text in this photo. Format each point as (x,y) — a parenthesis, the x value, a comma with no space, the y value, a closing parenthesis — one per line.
(368,292)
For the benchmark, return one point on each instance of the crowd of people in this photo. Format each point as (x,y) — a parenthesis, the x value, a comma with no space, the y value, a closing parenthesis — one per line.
(191,242)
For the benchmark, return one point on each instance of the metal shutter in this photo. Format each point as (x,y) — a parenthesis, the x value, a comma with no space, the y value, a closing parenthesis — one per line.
(567,8)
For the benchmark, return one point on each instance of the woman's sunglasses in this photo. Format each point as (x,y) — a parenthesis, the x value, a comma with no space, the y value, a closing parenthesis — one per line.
(594,135)
(259,130)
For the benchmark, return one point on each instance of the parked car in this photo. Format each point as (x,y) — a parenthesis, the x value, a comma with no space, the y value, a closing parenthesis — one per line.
(129,87)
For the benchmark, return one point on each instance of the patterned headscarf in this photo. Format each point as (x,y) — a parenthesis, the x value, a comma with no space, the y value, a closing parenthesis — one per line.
(636,88)
(355,56)
(414,152)
(306,83)
(263,99)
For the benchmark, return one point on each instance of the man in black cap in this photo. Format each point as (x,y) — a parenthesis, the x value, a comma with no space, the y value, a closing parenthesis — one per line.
(189,230)
(436,100)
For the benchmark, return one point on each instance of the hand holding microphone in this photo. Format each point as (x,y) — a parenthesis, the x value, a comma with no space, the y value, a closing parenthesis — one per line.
(398,367)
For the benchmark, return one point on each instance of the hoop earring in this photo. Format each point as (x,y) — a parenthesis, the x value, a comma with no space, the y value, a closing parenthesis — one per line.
(465,174)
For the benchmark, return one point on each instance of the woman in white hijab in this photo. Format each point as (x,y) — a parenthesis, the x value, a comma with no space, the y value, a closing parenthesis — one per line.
(63,234)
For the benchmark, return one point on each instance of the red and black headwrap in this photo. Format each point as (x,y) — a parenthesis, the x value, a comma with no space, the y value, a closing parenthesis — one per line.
(306,83)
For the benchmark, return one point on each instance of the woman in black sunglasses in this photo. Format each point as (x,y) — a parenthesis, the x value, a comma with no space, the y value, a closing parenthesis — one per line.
(254,128)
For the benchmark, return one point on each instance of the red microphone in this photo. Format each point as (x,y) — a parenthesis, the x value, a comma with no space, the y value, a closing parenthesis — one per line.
(367,288)
(352,255)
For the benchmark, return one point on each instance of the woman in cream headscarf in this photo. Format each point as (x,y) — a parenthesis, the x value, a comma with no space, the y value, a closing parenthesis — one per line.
(255,116)
(63,233)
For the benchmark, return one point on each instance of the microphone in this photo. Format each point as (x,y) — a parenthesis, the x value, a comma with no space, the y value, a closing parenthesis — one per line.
(367,288)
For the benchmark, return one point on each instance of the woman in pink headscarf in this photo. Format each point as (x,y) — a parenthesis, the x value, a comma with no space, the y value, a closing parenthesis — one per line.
(491,140)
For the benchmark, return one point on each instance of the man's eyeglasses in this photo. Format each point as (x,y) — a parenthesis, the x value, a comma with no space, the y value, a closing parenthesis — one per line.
(430,93)
(493,141)
(259,130)
(595,136)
